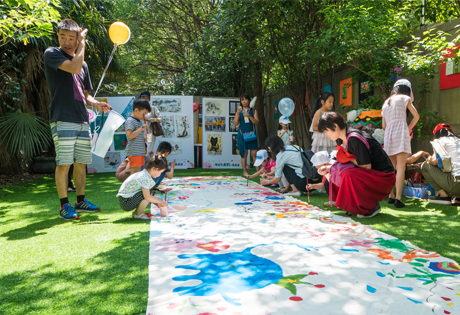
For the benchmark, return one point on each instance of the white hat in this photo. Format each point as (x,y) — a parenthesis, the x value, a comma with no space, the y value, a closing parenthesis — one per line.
(284,120)
(320,158)
(262,155)
(406,83)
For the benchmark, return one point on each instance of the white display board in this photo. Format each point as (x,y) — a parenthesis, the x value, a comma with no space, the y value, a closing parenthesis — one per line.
(177,123)
(178,109)
(219,133)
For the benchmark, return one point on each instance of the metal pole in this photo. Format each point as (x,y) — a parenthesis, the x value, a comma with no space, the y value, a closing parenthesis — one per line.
(423,13)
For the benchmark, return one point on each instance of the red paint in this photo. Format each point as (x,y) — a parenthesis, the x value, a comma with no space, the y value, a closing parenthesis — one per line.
(446,312)
(311,273)
(295,298)
(446,299)
(207,314)
(319,285)
(449,288)
(221,309)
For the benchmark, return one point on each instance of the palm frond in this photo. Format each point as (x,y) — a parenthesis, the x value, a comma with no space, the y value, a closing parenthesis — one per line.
(24,134)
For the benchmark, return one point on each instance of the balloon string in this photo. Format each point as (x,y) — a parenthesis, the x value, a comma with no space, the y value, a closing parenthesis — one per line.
(99,85)
(105,70)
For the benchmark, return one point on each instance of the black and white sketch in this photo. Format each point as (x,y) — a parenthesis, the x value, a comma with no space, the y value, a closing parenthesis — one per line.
(215,107)
(183,126)
(167,124)
(169,105)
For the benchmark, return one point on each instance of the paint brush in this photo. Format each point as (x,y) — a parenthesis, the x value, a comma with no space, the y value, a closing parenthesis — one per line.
(247,180)
(166,193)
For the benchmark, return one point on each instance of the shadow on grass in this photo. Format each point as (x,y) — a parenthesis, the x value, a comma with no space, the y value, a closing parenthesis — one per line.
(116,281)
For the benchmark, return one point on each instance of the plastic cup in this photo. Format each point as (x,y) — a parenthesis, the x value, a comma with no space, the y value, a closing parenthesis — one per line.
(164,211)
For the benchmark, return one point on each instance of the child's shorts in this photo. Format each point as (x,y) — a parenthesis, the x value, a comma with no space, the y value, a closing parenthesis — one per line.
(136,161)
(133,202)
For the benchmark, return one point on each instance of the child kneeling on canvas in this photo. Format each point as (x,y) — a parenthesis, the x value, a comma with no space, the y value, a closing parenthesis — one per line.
(136,191)
(268,165)
(163,150)
(318,160)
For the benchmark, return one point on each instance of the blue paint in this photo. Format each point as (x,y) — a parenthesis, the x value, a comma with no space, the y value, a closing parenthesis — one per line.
(406,288)
(380,274)
(371,289)
(342,262)
(424,280)
(349,250)
(232,273)
(228,273)
(243,203)
(383,263)
(275,198)
(415,301)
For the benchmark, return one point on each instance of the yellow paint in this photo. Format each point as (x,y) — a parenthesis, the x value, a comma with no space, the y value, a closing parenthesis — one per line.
(449,304)
(206,211)
(280,215)
(292,281)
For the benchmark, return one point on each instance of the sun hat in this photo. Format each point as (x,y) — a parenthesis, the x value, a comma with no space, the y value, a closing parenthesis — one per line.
(320,158)
(284,120)
(261,156)
(406,83)
(441,126)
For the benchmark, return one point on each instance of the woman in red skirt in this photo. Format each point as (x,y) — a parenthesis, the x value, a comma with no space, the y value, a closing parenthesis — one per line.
(365,176)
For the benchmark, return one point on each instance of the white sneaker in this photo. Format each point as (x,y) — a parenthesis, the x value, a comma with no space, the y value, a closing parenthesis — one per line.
(294,194)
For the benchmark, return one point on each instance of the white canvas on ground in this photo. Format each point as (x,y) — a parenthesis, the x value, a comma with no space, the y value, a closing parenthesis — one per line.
(227,248)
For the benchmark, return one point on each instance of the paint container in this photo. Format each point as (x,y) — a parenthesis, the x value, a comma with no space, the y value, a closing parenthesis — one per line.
(164,211)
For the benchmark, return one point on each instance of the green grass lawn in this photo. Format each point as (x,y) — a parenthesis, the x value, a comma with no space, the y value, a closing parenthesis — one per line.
(98,264)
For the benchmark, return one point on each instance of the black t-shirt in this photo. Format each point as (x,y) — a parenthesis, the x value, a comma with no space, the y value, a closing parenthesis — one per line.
(376,156)
(67,89)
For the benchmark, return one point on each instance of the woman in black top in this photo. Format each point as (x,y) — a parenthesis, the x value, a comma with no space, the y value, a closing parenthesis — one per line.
(367,179)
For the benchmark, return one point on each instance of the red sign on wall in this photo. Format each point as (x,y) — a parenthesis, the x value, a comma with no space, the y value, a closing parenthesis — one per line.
(452,80)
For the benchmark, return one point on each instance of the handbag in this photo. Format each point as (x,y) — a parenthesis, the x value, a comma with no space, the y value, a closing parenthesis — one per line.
(444,159)
(250,135)
(339,167)
(157,130)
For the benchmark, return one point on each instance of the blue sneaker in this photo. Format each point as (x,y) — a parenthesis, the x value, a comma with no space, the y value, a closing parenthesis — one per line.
(86,206)
(67,212)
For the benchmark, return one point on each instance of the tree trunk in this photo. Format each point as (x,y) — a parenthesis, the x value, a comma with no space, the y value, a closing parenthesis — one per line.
(258,92)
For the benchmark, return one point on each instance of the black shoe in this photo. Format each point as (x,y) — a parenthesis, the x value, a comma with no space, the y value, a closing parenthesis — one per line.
(371,214)
(391,200)
(398,203)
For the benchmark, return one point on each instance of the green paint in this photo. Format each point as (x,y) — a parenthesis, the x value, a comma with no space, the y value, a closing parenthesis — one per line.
(421,260)
(289,285)
(423,273)
(416,264)
(395,244)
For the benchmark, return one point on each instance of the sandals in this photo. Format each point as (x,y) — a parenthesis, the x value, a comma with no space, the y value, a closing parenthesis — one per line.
(142,216)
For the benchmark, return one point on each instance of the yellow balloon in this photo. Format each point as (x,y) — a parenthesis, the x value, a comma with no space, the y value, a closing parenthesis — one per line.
(119,33)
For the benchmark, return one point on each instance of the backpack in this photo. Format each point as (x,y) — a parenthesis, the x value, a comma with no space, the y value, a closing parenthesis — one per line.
(308,170)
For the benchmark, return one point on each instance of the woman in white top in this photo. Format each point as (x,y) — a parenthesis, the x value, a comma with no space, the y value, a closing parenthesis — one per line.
(288,162)
(446,185)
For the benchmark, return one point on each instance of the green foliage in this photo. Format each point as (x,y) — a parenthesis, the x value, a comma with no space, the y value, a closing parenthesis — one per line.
(24,134)
(22,19)
(428,120)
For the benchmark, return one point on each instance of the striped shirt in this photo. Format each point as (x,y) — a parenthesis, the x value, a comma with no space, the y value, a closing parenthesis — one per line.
(136,146)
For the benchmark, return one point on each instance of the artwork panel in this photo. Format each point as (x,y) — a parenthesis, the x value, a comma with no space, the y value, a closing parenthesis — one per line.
(183,126)
(231,125)
(168,105)
(215,107)
(176,147)
(214,144)
(167,124)
(233,107)
(215,124)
